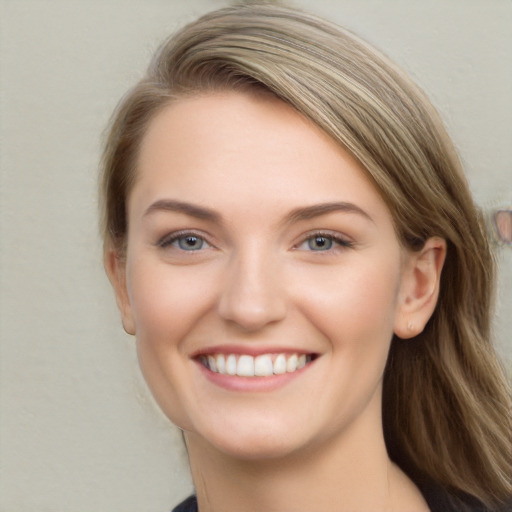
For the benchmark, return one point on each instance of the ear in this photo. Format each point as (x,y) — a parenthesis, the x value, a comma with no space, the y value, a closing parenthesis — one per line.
(419,288)
(115,267)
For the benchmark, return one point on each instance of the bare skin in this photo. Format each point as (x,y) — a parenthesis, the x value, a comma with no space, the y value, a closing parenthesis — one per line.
(253,237)
(313,481)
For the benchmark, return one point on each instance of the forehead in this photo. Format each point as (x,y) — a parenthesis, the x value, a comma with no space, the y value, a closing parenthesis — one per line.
(229,147)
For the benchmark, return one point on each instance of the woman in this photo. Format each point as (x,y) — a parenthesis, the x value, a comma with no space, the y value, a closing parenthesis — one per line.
(292,241)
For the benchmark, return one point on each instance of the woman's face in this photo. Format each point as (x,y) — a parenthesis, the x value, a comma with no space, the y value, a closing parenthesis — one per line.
(263,277)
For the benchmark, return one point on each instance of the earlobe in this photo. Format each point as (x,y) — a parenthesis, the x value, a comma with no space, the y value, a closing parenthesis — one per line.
(115,267)
(419,288)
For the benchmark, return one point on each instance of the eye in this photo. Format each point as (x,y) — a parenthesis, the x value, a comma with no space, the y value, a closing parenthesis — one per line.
(190,242)
(184,241)
(323,242)
(319,243)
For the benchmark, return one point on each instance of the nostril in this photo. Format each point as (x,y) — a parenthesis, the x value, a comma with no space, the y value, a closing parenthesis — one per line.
(251,310)
(252,293)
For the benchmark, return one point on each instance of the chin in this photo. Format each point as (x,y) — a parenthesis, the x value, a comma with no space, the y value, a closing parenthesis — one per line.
(256,442)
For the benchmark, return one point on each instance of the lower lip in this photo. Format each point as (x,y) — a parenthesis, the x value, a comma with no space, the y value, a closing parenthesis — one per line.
(251,384)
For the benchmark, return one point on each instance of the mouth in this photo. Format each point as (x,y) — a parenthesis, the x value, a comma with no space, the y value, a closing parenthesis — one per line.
(263,365)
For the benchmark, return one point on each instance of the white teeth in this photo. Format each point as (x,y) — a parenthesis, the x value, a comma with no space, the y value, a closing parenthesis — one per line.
(221,363)
(263,365)
(245,367)
(212,363)
(230,365)
(280,364)
(291,363)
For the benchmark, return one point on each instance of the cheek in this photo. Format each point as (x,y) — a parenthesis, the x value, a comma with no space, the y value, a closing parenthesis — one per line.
(167,301)
(167,305)
(354,306)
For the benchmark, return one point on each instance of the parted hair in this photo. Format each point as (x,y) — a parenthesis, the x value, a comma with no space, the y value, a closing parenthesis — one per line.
(446,400)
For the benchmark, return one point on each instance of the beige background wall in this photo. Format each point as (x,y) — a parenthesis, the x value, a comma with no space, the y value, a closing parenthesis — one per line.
(78,432)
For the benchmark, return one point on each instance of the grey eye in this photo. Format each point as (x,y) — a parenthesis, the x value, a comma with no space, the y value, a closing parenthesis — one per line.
(190,243)
(320,243)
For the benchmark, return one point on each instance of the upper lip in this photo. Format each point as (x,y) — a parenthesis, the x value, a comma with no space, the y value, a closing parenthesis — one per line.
(249,350)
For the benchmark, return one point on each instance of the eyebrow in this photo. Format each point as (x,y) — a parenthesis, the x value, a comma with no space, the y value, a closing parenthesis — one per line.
(317,210)
(296,215)
(170,205)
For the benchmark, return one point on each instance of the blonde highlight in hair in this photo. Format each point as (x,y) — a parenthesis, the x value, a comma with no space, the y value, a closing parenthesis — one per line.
(447,410)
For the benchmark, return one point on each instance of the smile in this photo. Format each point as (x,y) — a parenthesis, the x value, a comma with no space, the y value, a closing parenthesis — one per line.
(264,365)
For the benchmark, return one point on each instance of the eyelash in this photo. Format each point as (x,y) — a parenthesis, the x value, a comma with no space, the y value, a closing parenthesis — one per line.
(337,241)
(171,238)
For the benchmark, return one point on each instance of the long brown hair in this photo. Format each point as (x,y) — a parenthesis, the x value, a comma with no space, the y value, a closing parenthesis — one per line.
(446,402)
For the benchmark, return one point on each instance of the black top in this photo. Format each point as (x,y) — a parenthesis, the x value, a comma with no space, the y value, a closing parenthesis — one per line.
(437,499)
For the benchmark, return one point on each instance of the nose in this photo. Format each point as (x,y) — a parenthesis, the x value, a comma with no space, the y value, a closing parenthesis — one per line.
(253,294)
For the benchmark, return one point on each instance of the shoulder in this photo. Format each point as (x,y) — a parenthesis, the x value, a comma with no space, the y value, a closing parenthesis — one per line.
(189,505)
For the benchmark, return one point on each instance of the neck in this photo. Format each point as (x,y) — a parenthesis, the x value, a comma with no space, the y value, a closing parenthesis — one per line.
(349,473)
